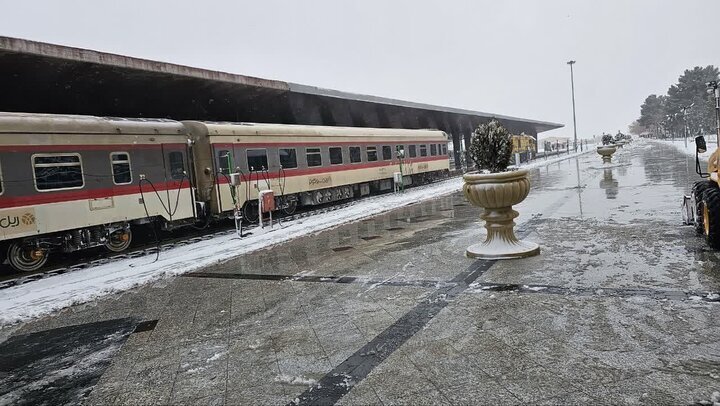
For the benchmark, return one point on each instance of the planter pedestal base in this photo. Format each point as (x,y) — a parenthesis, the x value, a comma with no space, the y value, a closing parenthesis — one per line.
(501,242)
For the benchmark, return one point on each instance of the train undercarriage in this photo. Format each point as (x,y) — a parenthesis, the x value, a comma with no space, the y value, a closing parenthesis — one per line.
(31,253)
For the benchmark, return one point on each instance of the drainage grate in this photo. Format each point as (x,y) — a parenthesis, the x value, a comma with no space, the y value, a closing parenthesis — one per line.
(148,325)
(253,276)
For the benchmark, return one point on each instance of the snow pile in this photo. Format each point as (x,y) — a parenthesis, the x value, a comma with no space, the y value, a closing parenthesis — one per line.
(295,380)
(43,296)
(690,148)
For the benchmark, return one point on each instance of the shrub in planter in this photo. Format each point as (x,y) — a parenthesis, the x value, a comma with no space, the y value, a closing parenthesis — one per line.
(607,139)
(491,147)
(496,192)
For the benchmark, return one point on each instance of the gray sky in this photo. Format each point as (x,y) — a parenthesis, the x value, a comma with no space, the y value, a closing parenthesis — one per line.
(504,57)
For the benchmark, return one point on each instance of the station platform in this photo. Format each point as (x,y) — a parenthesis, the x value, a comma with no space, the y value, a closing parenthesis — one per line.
(619,308)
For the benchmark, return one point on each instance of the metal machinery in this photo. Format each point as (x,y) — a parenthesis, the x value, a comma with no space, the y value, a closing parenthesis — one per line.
(73,182)
(702,207)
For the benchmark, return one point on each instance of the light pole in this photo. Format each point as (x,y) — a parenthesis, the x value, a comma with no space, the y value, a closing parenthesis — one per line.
(572,85)
(685,126)
(714,90)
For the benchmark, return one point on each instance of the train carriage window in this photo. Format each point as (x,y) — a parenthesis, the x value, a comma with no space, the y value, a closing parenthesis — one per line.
(1,181)
(423,150)
(355,155)
(58,171)
(412,151)
(225,160)
(371,154)
(336,157)
(444,149)
(433,149)
(387,152)
(288,158)
(314,158)
(177,165)
(400,151)
(120,163)
(257,159)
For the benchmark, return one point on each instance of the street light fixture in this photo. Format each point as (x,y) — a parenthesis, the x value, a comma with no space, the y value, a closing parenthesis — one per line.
(572,85)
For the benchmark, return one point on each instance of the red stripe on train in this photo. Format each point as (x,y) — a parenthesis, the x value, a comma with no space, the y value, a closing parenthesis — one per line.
(71,195)
(333,168)
(80,194)
(322,143)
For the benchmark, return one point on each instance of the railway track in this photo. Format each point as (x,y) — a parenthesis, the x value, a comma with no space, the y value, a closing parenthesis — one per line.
(89,261)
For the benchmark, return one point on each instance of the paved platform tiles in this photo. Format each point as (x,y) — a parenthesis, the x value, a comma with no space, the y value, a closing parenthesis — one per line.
(389,311)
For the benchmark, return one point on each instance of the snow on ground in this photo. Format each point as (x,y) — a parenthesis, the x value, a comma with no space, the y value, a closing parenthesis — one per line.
(690,148)
(536,163)
(43,296)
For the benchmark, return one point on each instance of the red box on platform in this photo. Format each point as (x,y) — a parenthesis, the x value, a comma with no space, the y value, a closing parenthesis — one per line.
(267,198)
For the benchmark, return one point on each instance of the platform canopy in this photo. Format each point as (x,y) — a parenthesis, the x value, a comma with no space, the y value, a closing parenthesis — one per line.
(46,78)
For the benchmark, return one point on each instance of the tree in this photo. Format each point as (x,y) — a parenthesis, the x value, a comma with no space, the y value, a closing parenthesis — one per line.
(636,128)
(653,113)
(691,91)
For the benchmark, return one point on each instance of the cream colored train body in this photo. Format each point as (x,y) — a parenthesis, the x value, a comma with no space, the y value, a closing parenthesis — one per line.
(73,182)
(308,165)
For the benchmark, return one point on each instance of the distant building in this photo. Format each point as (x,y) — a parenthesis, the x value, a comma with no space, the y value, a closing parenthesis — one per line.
(555,143)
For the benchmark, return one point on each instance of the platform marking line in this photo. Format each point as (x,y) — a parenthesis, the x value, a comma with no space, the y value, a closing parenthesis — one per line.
(341,379)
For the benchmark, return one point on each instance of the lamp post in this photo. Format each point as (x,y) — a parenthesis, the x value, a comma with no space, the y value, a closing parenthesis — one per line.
(715,90)
(572,86)
(685,126)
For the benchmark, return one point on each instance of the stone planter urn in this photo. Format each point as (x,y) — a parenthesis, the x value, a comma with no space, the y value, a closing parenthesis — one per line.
(496,193)
(606,152)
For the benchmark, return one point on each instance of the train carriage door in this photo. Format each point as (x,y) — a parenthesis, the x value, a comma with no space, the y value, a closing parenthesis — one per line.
(179,198)
(224,163)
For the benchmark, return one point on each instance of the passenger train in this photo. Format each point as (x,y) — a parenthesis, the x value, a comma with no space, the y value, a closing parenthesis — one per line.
(73,182)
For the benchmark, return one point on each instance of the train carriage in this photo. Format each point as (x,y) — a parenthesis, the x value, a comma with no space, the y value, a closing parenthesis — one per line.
(308,165)
(74,182)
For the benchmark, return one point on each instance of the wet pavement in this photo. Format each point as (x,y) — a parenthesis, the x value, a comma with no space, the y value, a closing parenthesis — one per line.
(618,309)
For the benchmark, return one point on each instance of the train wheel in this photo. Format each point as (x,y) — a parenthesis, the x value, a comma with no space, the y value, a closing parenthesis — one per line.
(25,258)
(291,207)
(119,241)
(250,212)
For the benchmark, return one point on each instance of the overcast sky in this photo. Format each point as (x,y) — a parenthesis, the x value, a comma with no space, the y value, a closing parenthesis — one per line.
(504,57)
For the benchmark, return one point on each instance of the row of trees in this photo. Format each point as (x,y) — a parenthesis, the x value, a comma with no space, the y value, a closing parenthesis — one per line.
(687,103)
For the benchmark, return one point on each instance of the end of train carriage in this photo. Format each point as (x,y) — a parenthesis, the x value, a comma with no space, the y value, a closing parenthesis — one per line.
(70,183)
